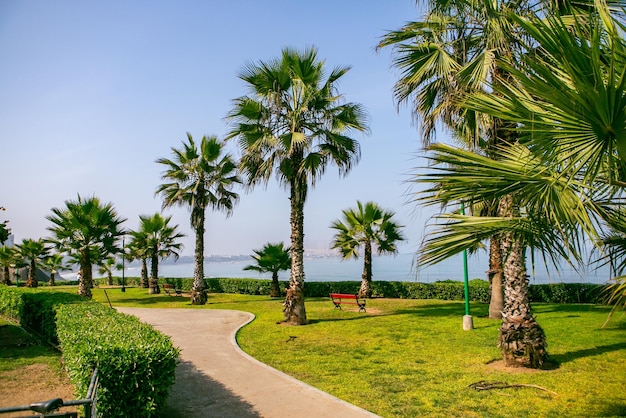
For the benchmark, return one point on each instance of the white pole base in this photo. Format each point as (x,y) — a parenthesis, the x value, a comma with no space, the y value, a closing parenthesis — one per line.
(468,322)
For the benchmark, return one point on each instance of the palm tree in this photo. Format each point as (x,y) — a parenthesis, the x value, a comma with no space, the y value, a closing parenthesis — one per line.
(160,242)
(87,229)
(453,52)
(7,259)
(370,227)
(107,267)
(272,258)
(33,252)
(570,109)
(53,264)
(138,250)
(199,178)
(4,229)
(293,124)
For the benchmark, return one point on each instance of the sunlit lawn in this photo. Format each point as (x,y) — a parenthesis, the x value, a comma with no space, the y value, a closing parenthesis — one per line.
(412,358)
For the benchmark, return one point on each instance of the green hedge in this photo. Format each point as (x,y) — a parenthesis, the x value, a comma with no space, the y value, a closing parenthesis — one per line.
(443,290)
(35,309)
(136,363)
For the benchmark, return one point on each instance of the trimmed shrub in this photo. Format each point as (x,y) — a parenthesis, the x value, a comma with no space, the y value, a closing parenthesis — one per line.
(35,309)
(135,362)
(567,293)
(444,290)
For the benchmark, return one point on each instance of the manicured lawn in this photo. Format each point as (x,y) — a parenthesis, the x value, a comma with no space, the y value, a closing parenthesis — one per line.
(408,358)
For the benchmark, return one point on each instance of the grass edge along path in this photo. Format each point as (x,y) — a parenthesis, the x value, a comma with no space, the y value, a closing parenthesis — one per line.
(408,358)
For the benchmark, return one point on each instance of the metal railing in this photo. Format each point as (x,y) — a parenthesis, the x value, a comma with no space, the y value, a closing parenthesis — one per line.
(48,408)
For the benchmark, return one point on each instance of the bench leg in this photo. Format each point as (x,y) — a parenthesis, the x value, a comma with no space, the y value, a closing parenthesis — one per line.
(337,305)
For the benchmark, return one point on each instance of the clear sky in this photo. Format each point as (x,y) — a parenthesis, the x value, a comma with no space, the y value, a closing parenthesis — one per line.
(92,93)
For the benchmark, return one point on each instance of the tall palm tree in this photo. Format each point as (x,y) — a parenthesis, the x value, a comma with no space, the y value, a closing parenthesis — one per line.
(54,263)
(199,178)
(160,242)
(293,123)
(370,227)
(89,230)
(569,107)
(454,51)
(7,259)
(33,252)
(272,258)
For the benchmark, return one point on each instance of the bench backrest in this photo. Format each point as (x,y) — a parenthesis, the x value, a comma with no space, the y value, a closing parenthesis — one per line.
(343,296)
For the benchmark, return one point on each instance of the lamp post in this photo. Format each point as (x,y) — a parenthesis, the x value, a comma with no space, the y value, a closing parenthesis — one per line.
(123,257)
(468,321)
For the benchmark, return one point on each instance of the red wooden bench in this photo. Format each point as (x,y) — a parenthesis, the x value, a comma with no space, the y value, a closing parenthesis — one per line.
(168,288)
(344,298)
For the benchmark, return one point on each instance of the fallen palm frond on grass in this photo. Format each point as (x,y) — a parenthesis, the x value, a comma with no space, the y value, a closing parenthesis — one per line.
(490,385)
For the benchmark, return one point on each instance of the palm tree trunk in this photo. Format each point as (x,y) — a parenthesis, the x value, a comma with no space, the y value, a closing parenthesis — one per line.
(496,302)
(32,281)
(154,275)
(6,277)
(275,289)
(85,283)
(293,307)
(51,281)
(366,278)
(144,273)
(109,278)
(198,292)
(522,341)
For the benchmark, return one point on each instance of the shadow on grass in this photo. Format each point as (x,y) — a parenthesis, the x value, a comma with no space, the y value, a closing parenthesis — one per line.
(541,308)
(16,343)
(613,409)
(588,352)
(194,394)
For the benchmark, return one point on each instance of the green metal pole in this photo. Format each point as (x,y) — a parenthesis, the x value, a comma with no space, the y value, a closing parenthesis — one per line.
(466,283)
(468,322)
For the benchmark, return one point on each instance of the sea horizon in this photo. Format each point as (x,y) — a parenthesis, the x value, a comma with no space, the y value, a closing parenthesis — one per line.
(400,267)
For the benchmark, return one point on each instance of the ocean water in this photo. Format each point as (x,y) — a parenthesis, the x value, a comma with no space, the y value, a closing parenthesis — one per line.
(386,268)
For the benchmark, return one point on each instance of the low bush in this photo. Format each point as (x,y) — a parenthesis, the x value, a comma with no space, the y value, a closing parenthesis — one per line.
(442,290)
(135,363)
(35,310)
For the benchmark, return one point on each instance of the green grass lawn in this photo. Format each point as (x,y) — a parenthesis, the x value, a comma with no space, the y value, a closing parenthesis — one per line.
(408,358)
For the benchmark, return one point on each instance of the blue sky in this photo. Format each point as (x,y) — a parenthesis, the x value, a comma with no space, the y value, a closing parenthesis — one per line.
(92,93)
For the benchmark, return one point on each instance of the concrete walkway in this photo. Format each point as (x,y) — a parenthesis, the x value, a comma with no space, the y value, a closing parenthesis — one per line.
(217,379)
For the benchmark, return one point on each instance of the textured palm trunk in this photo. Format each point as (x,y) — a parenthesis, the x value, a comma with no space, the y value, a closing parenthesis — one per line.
(51,281)
(522,341)
(366,277)
(198,292)
(32,271)
(154,275)
(6,278)
(496,276)
(86,282)
(293,307)
(275,289)
(144,273)
(109,278)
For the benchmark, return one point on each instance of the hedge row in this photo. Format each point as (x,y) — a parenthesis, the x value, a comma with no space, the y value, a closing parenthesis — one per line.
(443,290)
(136,363)
(35,310)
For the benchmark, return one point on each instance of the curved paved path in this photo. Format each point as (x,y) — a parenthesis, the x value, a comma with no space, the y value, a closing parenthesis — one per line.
(215,378)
